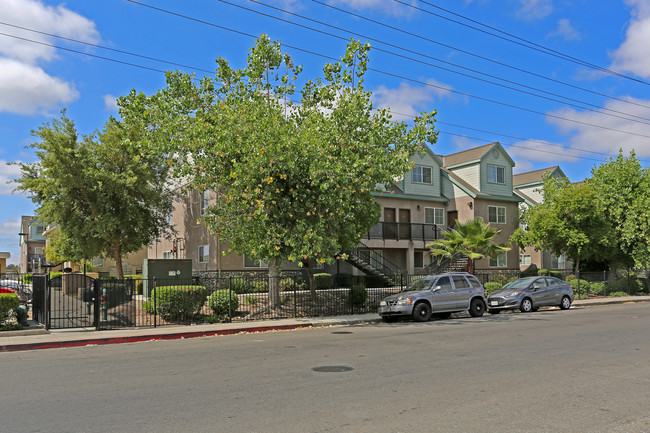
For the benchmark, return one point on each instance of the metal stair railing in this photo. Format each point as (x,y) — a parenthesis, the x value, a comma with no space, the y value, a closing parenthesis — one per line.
(383,266)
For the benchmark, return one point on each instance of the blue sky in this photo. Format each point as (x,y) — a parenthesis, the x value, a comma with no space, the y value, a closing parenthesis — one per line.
(590,60)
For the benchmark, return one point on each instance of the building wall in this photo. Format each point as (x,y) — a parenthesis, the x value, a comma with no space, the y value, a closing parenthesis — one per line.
(497,158)
(434,188)
(470,174)
(507,229)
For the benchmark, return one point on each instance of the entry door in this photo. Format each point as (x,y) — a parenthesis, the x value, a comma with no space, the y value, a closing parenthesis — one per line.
(404,224)
(390,229)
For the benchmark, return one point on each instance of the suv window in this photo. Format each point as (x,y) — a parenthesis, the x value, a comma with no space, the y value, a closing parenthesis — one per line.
(473,281)
(444,282)
(460,282)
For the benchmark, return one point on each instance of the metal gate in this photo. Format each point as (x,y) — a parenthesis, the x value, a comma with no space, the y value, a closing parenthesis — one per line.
(71,301)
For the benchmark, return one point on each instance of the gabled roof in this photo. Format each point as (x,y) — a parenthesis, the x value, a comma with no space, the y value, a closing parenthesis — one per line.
(535,176)
(526,198)
(473,155)
(471,191)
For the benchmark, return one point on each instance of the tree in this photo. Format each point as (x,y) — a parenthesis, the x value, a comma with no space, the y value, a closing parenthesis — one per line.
(569,222)
(295,179)
(623,187)
(473,239)
(105,192)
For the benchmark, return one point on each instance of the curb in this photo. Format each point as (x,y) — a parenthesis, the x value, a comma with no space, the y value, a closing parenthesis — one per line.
(150,337)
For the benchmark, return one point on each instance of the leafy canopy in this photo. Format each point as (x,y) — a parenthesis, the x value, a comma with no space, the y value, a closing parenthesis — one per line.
(294,179)
(104,191)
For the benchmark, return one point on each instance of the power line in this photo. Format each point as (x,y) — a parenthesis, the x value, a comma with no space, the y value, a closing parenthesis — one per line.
(395,75)
(599,110)
(525,71)
(532,45)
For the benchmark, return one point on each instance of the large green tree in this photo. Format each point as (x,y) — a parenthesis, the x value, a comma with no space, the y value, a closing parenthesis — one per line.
(473,239)
(623,187)
(295,178)
(569,222)
(104,191)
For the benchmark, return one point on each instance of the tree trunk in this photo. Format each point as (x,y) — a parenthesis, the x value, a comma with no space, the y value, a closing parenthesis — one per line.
(470,266)
(117,253)
(312,281)
(274,283)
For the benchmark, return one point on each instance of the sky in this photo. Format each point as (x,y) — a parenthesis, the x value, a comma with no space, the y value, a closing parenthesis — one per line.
(556,82)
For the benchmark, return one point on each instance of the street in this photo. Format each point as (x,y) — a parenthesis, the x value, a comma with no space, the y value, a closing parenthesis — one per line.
(582,370)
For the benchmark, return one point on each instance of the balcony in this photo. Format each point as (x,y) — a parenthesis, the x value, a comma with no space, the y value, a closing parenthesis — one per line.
(404,231)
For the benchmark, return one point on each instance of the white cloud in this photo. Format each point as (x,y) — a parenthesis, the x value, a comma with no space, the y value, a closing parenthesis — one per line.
(25,86)
(634,53)
(534,9)
(526,153)
(10,226)
(110,103)
(28,89)
(386,6)
(409,100)
(606,140)
(7,173)
(566,31)
(35,15)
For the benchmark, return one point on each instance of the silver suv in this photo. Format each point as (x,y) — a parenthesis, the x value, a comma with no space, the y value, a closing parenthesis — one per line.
(440,295)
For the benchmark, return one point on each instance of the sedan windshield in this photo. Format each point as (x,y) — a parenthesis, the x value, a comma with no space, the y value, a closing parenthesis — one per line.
(520,284)
(421,284)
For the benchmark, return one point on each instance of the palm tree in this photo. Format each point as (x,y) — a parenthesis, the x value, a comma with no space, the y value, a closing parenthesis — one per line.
(472,239)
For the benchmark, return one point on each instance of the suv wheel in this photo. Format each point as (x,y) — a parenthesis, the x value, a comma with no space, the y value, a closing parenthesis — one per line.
(476,308)
(421,312)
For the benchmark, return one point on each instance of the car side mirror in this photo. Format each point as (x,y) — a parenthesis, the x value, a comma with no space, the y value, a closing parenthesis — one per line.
(435,289)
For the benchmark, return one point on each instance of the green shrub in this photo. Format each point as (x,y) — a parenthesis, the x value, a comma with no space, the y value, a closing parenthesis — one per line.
(580,287)
(543,272)
(215,318)
(253,300)
(597,288)
(9,304)
(556,274)
(291,284)
(27,278)
(632,286)
(531,271)
(570,278)
(501,279)
(258,286)
(148,307)
(55,274)
(358,295)
(219,301)
(323,281)
(237,284)
(492,287)
(617,294)
(178,303)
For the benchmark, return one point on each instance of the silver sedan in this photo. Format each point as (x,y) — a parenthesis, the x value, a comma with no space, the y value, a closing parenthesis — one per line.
(528,294)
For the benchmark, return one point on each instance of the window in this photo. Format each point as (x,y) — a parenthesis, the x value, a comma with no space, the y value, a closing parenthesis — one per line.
(524,259)
(418,259)
(497,214)
(496,174)
(460,282)
(204,253)
(473,281)
(168,255)
(499,261)
(205,202)
(434,215)
(421,174)
(444,282)
(251,262)
(558,262)
(38,250)
(40,229)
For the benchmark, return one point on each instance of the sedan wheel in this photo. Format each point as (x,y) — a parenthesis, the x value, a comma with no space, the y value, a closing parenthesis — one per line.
(421,312)
(566,303)
(526,306)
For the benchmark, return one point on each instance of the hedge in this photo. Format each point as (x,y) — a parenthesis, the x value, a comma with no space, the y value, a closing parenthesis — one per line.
(179,303)
(9,304)
(220,300)
(491,287)
(323,281)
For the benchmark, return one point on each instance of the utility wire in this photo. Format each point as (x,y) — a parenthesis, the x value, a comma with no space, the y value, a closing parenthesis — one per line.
(395,75)
(478,56)
(600,110)
(531,45)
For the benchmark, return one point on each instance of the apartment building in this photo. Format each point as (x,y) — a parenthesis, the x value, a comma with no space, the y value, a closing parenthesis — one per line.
(32,245)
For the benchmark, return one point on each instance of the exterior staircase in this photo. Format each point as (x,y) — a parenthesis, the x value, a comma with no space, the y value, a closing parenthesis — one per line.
(371,262)
(457,263)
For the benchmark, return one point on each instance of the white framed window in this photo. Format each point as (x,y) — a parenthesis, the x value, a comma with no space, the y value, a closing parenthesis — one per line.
(500,260)
(421,174)
(558,262)
(434,215)
(40,229)
(38,250)
(167,255)
(524,259)
(496,174)
(205,202)
(204,253)
(497,214)
(252,262)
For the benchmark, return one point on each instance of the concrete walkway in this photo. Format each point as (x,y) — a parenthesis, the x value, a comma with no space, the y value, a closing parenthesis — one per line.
(36,337)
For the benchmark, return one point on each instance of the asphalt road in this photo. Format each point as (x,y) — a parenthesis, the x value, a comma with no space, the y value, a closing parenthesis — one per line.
(582,370)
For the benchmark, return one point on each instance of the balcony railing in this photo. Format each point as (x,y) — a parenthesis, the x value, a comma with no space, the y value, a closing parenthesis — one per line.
(404,231)
(35,258)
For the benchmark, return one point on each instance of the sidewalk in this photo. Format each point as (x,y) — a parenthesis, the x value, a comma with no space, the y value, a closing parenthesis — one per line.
(36,337)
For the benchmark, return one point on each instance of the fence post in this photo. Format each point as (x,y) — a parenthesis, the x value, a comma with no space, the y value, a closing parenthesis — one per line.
(155,307)
(295,297)
(229,306)
(96,286)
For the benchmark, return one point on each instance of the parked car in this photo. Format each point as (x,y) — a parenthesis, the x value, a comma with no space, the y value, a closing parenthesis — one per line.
(528,294)
(436,294)
(10,286)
